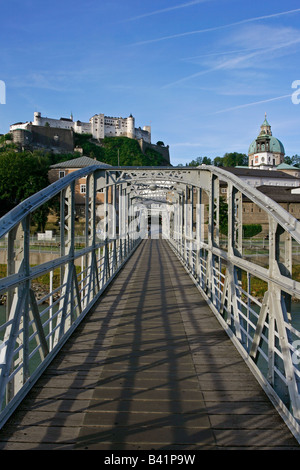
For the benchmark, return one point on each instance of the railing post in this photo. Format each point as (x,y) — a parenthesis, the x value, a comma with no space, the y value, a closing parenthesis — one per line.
(65,316)
(198,232)
(114,225)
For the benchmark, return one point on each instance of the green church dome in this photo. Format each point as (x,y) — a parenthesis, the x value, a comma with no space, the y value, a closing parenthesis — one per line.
(275,146)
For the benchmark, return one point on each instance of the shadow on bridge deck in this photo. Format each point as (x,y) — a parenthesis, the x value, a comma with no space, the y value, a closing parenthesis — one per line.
(149,368)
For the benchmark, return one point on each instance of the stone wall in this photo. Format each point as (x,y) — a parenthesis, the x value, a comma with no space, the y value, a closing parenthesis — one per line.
(45,137)
(164,151)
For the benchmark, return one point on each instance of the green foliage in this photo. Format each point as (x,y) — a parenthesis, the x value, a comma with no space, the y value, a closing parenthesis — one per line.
(118,151)
(223,216)
(229,159)
(200,161)
(235,159)
(250,230)
(21,175)
(6,143)
(294,160)
(5,137)
(218,161)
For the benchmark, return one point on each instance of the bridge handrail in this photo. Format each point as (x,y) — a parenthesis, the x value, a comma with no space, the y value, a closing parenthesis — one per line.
(289,222)
(217,272)
(29,205)
(38,325)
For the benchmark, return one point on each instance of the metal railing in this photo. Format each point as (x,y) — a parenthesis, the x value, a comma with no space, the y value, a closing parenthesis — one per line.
(255,301)
(43,304)
(264,328)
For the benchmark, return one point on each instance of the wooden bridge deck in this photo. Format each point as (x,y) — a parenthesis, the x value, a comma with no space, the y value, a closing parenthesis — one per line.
(149,368)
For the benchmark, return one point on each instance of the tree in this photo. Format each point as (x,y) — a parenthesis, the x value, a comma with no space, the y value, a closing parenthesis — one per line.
(218,161)
(223,215)
(21,175)
(200,161)
(294,160)
(235,159)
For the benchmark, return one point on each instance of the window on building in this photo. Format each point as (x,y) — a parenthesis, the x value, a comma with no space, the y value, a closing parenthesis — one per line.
(61,174)
(83,188)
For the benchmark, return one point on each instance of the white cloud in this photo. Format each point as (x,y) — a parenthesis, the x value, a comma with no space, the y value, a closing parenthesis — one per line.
(217,28)
(168,9)
(275,43)
(276,98)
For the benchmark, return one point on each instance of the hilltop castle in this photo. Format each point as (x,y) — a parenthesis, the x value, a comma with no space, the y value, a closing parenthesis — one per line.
(58,134)
(99,126)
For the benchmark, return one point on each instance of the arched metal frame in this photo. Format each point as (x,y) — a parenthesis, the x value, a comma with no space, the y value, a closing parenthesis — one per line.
(189,201)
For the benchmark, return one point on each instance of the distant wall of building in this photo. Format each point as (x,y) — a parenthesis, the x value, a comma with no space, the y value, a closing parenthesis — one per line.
(99,126)
(164,151)
(55,174)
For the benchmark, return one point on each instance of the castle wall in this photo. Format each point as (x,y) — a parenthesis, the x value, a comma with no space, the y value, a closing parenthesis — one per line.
(82,127)
(44,136)
(143,134)
(22,137)
(62,123)
(99,126)
(164,151)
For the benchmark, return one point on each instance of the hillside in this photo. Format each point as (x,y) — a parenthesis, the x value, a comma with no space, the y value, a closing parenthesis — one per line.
(129,151)
(23,173)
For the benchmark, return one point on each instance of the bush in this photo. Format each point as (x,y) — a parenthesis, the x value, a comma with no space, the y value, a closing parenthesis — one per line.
(251,230)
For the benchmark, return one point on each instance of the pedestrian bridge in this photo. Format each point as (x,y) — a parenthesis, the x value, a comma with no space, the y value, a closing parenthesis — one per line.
(152,333)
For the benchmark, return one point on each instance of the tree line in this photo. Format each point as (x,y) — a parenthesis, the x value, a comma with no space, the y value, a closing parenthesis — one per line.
(235,159)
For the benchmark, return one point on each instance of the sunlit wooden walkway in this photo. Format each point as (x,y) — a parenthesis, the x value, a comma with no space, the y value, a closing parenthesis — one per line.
(149,368)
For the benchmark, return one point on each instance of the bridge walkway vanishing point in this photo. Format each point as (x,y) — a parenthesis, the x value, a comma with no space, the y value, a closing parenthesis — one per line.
(150,367)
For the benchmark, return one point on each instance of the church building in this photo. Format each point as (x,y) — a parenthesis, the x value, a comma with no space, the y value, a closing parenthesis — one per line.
(266,151)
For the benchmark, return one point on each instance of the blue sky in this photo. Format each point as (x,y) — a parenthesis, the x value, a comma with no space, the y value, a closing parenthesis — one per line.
(201,73)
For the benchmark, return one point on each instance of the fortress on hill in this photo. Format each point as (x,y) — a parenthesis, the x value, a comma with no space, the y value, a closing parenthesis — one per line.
(58,134)
(99,126)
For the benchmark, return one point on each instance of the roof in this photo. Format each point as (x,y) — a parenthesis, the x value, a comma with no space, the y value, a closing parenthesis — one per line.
(275,146)
(285,166)
(257,173)
(278,193)
(80,162)
(265,123)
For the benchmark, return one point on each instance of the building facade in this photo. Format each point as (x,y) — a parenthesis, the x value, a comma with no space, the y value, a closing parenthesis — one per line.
(99,126)
(62,169)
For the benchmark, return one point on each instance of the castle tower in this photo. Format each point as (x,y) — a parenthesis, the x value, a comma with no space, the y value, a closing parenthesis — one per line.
(37,118)
(131,127)
(148,130)
(265,152)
